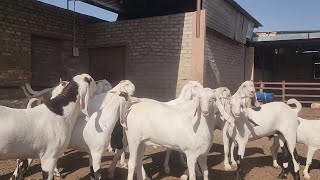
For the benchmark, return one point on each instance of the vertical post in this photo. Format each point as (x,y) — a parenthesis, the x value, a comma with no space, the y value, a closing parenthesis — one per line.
(264,79)
(198,46)
(198,19)
(261,86)
(283,91)
(68,4)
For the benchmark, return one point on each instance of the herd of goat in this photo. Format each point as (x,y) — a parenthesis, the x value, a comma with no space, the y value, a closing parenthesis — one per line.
(84,115)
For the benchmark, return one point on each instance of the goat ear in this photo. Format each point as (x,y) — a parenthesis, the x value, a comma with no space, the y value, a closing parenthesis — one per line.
(255,102)
(99,89)
(84,99)
(187,94)
(123,112)
(223,113)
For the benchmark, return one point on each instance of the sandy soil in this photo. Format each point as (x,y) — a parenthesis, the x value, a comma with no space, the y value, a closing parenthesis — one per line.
(257,163)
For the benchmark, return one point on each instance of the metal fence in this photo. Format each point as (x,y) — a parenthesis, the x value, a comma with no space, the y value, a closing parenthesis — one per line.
(306,93)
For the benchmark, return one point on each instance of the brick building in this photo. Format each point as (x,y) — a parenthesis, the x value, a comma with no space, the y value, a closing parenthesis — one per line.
(159,46)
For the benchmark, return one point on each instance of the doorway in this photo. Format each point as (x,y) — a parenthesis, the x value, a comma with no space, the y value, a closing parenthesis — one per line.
(108,63)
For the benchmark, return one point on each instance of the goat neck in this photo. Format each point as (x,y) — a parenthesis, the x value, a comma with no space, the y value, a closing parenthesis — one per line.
(203,126)
(111,110)
(67,101)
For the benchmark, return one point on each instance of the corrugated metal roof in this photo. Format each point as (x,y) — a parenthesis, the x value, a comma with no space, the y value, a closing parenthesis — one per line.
(286,36)
(111,5)
(244,12)
(167,6)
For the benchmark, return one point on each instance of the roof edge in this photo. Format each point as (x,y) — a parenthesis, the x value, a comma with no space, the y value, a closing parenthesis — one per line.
(244,12)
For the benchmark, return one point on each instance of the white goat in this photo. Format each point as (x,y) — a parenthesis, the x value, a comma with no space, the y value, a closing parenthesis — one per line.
(308,134)
(46,94)
(102,86)
(93,134)
(268,119)
(186,127)
(224,95)
(44,131)
(247,92)
(187,93)
(106,107)
(23,165)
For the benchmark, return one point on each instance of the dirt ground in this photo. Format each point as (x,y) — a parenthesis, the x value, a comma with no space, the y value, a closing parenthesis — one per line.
(257,163)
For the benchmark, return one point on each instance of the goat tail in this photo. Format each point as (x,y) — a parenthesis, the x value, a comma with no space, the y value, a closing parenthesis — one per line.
(31,101)
(297,104)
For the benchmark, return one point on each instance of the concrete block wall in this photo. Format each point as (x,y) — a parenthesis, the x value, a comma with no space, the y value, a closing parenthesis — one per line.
(20,20)
(224,61)
(159,51)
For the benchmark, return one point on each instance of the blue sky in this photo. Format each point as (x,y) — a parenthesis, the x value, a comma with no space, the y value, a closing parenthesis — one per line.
(84,9)
(284,15)
(274,15)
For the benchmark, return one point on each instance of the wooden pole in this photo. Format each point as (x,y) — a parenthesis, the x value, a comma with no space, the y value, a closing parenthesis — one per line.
(261,86)
(283,91)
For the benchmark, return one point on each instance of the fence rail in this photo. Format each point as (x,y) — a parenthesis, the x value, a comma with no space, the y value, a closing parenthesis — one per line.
(306,93)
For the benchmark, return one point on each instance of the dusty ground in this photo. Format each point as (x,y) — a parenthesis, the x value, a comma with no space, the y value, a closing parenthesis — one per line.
(257,163)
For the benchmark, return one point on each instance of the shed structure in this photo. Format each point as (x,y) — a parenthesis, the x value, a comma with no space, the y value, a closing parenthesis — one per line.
(287,55)
(159,45)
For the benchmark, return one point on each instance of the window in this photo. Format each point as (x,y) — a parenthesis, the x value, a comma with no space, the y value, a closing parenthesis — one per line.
(316,67)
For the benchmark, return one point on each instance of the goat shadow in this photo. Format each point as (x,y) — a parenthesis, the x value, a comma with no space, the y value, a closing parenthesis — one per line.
(155,170)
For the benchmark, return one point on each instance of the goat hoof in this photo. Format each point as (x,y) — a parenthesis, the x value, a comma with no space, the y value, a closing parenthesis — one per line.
(276,165)
(282,175)
(227,167)
(234,163)
(184,177)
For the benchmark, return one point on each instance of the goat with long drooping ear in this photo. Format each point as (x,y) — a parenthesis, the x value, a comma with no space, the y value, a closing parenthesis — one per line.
(23,165)
(224,95)
(269,119)
(188,92)
(103,86)
(247,92)
(93,134)
(95,105)
(190,123)
(44,131)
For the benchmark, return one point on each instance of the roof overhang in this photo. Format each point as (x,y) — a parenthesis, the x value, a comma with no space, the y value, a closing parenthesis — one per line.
(287,37)
(146,8)
(305,40)
(110,5)
(244,12)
